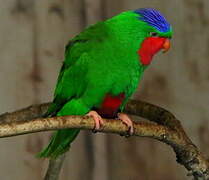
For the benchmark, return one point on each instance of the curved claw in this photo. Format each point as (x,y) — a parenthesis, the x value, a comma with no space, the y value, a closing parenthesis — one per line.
(128,122)
(97,119)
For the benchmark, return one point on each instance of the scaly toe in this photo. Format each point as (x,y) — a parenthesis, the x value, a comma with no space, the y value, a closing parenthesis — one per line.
(128,122)
(97,119)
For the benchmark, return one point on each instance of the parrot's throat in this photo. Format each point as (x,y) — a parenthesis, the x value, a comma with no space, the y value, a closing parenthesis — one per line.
(149,47)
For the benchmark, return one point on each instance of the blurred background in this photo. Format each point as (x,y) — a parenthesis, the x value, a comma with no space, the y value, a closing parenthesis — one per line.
(33,34)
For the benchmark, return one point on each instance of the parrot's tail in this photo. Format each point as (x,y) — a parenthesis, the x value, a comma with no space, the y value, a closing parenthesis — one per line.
(59,144)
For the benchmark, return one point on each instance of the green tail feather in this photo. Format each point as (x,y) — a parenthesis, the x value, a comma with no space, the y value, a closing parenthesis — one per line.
(62,139)
(59,144)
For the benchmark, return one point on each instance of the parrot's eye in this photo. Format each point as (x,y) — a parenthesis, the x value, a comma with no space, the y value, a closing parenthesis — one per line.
(153,34)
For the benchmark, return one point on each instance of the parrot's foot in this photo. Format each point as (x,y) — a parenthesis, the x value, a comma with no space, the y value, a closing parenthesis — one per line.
(128,122)
(97,119)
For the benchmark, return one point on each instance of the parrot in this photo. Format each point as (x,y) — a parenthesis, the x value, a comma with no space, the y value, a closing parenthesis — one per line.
(102,68)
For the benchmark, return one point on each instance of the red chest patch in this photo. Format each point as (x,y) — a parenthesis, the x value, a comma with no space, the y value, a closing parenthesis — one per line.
(110,105)
(149,47)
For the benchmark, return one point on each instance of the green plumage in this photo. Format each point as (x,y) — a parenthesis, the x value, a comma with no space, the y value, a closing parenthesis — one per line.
(100,60)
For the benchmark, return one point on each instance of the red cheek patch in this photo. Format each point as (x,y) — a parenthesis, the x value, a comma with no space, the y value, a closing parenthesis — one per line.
(149,47)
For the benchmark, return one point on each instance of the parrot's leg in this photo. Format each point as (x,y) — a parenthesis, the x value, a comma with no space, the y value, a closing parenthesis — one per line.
(127,121)
(97,119)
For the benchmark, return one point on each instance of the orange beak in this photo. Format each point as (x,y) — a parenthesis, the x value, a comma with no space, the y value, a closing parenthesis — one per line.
(166,45)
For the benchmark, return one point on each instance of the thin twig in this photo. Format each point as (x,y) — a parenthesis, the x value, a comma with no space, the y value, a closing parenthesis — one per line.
(162,125)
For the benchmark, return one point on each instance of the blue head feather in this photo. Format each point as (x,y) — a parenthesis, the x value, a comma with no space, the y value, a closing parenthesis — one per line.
(154,18)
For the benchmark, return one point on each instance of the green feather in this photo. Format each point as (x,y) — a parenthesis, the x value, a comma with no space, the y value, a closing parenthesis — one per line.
(100,60)
(60,143)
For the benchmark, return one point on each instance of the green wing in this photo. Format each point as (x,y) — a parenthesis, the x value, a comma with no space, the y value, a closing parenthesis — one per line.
(76,53)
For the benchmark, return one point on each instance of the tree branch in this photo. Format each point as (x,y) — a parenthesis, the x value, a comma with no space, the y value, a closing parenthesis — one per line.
(54,168)
(162,125)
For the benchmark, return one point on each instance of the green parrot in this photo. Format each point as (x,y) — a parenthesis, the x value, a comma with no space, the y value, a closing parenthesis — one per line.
(102,68)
